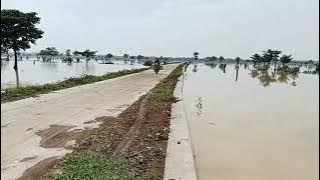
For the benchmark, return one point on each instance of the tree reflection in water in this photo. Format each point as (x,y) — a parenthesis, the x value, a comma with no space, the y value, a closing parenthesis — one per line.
(265,73)
(267,76)
(195,68)
(237,67)
(223,67)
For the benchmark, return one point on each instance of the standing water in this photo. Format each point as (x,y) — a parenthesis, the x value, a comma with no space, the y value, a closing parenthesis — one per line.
(248,124)
(37,72)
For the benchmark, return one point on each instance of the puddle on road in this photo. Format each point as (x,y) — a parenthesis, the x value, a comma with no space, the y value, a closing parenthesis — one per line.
(248,124)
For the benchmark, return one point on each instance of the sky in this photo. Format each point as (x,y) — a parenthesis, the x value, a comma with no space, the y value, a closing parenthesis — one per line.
(177,28)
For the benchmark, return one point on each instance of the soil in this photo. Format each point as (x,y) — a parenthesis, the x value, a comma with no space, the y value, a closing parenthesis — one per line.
(39,170)
(139,134)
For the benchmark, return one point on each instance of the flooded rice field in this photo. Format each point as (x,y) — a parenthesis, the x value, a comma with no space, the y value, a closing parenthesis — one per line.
(248,124)
(38,72)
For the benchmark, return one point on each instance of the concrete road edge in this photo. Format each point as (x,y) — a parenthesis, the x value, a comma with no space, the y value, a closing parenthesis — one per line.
(180,164)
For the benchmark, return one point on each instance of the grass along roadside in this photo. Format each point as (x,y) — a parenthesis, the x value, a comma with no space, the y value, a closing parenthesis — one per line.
(129,147)
(16,93)
(92,165)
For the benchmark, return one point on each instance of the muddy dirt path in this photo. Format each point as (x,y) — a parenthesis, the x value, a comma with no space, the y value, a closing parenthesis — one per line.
(37,130)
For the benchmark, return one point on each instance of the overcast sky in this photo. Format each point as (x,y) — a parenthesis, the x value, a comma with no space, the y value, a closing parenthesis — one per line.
(178,27)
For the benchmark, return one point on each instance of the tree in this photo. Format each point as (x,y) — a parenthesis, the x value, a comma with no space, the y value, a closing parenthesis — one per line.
(285,59)
(237,59)
(87,54)
(271,55)
(74,52)
(221,58)
(256,58)
(139,57)
(50,52)
(18,30)
(109,56)
(213,58)
(195,55)
(125,57)
(68,54)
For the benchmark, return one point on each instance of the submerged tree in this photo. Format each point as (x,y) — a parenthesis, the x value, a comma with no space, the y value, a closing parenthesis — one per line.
(256,58)
(139,57)
(237,59)
(213,58)
(50,52)
(87,54)
(271,55)
(108,57)
(221,58)
(125,57)
(18,30)
(69,58)
(285,59)
(223,67)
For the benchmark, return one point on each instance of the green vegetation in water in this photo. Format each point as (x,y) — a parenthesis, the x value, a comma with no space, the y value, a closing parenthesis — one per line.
(280,75)
(11,94)
(92,165)
(289,69)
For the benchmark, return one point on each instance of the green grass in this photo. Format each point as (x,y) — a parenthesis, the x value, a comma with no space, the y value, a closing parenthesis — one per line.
(11,94)
(92,165)
(163,93)
(177,72)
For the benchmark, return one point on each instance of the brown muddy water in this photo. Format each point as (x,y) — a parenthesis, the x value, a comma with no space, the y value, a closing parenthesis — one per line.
(252,125)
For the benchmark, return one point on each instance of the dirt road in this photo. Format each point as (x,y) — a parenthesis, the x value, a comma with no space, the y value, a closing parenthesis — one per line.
(26,125)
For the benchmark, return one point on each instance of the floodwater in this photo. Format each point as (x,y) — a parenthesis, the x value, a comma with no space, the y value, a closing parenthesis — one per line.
(251,125)
(38,72)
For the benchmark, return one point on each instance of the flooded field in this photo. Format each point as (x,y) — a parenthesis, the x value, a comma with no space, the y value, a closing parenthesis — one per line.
(248,124)
(38,72)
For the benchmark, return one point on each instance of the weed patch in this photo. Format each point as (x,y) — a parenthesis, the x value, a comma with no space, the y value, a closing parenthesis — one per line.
(92,165)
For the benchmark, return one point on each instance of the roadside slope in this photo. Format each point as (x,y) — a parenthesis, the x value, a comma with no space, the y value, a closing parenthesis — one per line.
(24,141)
